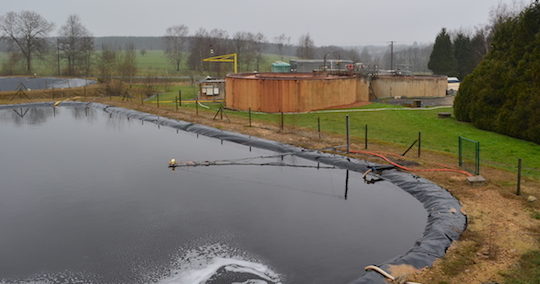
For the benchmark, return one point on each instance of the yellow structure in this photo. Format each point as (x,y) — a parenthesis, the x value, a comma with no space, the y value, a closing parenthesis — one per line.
(232,57)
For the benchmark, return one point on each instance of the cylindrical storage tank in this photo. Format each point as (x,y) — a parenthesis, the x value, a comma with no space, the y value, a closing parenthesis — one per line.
(293,92)
(409,86)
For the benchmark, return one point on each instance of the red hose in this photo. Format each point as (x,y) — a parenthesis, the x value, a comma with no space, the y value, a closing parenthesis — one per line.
(409,169)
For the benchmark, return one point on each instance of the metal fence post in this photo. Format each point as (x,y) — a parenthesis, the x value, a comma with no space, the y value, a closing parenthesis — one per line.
(477,158)
(180,97)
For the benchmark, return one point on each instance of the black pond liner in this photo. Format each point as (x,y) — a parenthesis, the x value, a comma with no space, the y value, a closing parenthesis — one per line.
(42,83)
(445,220)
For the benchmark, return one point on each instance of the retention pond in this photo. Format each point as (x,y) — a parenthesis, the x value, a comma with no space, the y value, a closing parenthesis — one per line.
(86,197)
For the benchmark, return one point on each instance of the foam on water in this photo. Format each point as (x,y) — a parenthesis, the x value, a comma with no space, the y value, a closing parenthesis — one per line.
(218,263)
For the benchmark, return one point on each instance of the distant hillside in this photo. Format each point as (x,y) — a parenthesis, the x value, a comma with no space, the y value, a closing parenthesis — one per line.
(502,94)
(409,57)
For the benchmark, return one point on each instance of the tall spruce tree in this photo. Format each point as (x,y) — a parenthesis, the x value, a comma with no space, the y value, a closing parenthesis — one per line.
(463,53)
(442,60)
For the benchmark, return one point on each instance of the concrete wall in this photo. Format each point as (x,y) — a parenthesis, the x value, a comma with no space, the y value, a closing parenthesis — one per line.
(409,86)
(292,93)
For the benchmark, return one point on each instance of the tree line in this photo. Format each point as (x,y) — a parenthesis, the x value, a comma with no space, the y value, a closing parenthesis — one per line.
(457,53)
(74,51)
(502,94)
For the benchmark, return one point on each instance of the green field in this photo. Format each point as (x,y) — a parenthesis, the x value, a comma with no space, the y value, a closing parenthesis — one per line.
(153,62)
(401,127)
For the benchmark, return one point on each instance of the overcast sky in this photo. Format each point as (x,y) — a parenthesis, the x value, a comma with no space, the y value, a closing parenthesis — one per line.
(338,22)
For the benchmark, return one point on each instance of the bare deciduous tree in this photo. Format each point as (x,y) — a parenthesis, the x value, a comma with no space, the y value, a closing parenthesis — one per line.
(106,63)
(258,44)
(27,31)
(281,41)
(76,44)
(174,43)
(306,47)
(249,47)
(127,66)
(199,49)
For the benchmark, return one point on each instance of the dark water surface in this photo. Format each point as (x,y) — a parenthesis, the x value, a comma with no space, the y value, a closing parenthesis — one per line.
(85,196)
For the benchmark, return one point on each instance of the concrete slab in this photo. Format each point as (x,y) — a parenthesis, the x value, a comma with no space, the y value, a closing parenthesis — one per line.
(476,180)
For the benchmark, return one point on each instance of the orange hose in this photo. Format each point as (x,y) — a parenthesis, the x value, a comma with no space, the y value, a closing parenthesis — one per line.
(409,169)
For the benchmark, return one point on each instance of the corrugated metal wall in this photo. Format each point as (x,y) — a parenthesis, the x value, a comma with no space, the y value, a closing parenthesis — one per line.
(293,94)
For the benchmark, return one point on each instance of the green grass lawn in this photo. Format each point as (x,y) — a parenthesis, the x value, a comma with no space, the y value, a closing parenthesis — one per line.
(402,127)
(169,95)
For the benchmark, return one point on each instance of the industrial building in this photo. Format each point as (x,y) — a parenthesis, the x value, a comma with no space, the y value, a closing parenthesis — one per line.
(211,89)
(303,92)
(310,65)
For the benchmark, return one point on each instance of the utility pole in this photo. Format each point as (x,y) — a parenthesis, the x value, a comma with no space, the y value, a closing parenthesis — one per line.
(58,54)
(392,55)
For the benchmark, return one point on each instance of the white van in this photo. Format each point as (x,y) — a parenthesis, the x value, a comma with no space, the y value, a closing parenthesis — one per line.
(453,85)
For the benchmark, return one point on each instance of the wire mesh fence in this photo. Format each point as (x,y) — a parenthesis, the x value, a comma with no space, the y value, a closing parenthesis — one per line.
(469,155)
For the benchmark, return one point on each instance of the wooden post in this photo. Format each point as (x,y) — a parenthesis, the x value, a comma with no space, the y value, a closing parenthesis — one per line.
(319,126)
(365,137)
(180,97)
(142,100)
(249,116)
(419,143)
(347,129)
(157,100)
(176,103)
(221,112)
(518,187)
(197,106)
(282,122)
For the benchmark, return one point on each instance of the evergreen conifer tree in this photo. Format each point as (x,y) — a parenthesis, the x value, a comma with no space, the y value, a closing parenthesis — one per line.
(442,60)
